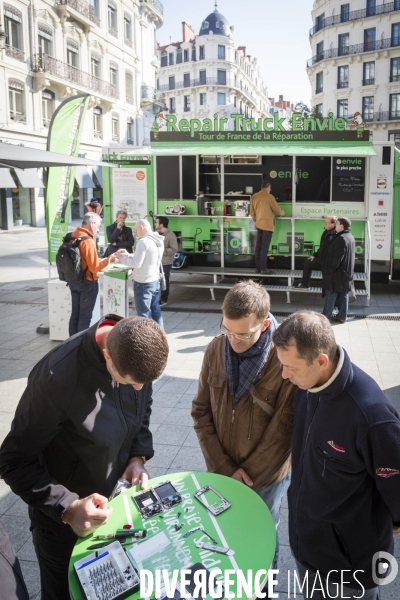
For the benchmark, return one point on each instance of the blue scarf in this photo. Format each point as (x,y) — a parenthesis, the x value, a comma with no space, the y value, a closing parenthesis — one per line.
(242,369)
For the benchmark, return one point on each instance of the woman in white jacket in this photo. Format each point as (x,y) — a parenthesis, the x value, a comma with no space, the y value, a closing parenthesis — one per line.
(146,262)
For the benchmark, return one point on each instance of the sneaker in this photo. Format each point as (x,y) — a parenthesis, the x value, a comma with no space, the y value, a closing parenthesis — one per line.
(163,303)
(266,272)
(300,286)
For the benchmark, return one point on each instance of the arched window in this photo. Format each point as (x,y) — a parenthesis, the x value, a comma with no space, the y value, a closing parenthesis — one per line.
(45,39)
(16,96)
(129,87)
(47,106)
(97,122)
(115,127)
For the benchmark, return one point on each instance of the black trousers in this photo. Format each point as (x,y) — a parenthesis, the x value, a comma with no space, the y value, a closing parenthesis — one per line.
(167,273)
(309,266)
(262,248)
(53,550)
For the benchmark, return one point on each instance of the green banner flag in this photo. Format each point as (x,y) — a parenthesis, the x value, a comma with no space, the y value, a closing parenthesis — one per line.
(65,134)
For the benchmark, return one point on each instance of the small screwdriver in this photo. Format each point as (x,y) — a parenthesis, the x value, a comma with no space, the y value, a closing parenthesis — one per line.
(138,533)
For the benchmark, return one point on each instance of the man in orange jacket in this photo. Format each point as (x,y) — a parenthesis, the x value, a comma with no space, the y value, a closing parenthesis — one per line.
(263,208)
(84,294)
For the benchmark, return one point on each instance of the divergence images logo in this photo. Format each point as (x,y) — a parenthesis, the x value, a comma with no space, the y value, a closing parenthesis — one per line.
(273,174)
(338,162)
(381,573)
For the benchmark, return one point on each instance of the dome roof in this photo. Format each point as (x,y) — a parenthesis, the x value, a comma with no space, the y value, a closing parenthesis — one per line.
(216,23)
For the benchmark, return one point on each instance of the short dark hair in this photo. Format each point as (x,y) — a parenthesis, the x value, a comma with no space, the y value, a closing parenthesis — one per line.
(246,298)
(266,184)
(310,332)
(345,222)
(163,221)
(138,348)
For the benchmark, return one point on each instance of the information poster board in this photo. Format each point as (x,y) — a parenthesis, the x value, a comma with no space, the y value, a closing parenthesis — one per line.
(130,192)
(348,179)
(380,207)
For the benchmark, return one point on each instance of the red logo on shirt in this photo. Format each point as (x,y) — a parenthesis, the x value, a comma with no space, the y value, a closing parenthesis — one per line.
(386,472)
(336,447)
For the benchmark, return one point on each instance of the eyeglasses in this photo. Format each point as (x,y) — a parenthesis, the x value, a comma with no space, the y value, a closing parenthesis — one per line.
(244,337)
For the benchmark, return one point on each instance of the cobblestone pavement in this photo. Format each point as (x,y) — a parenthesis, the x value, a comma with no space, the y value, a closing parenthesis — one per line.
(373,344)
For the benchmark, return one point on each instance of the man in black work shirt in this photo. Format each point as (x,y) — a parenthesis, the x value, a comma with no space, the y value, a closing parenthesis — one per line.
(81,424)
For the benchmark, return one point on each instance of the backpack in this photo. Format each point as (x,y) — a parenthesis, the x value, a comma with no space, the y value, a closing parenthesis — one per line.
(180,261)
(68,260)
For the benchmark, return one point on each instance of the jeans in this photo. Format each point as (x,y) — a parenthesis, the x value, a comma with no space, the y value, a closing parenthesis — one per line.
(53,551)
(167,271)
(272,497)
(335,590)
(341,301)
(83,297)
(309,266)
(262,248)
(146,300)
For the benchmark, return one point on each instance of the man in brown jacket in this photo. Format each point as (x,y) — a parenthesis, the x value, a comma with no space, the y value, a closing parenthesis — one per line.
(263,208)
(84,295)
(243,411)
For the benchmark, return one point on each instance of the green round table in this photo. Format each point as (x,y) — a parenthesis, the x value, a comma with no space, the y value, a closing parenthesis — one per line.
(247,527)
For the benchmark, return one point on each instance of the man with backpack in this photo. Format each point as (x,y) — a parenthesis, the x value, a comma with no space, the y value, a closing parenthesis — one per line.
(84,284)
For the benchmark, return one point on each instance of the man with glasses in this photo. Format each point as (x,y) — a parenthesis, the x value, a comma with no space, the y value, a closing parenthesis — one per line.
(243,414)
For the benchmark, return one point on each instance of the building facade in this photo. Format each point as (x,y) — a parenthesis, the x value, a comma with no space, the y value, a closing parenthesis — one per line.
(355,64)
(208,73)
(57,49)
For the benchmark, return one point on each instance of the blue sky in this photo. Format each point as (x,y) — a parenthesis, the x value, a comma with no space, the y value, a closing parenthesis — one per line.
(275,31)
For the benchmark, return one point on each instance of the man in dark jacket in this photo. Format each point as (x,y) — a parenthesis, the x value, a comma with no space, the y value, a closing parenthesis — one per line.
(314,262)
(119,235)
(81,424)
(344,494)
(338,270)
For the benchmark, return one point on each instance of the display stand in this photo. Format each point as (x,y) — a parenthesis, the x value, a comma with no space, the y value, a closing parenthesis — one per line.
(59,297)
(116,290)
(246,528)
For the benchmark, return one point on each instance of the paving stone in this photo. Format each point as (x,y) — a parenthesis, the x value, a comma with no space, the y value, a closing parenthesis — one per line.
(18,509)
(30,571)
(7,497)
(166,400)
(159,413)
(181,416)
(189,459)
(17,528)
(27,551)
(163,456)
(172,434)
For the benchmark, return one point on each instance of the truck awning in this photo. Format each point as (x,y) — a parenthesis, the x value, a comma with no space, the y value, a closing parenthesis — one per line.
(331,149)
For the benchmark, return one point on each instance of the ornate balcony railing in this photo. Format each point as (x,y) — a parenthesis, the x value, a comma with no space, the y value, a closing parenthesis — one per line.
(355,15)
(84,8)
(203,81)
(382,116)
(43,63)
(129,99)
(156,4)
(371,46)
(113,31)
(342,84)
(319,90)
(368,81)
(15,53)
(394,78)
(128,42)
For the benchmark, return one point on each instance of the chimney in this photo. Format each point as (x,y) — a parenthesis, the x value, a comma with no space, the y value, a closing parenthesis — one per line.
(187,32)
(243,48)
(280,98)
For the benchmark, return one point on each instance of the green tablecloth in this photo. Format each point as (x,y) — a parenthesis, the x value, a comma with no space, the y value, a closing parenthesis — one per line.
(247,527)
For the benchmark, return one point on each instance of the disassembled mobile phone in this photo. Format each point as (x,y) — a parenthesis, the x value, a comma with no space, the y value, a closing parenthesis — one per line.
(156,499)
(214,548)
(148,503)
(216,507)
(167,493)
(106,574)
(121,485)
